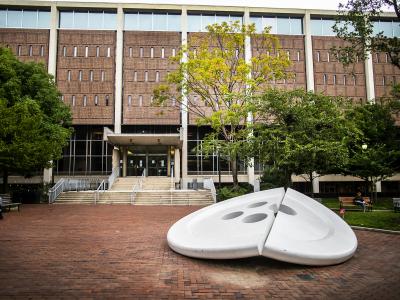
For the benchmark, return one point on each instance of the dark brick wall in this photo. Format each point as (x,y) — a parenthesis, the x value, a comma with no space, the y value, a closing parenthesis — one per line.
(141,61)
(23,39)
(331,67)
(102,87)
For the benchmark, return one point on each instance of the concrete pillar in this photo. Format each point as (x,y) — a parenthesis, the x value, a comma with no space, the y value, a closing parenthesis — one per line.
(124,161)
(52,68)
(118,70)
(315,183)
(184,110)
(369,78)
(308,53)
(115,158)
(247,57)
(169,161)
(177,166)
(378,186)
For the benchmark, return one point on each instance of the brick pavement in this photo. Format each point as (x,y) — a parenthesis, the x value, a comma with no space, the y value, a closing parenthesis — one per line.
(109,252)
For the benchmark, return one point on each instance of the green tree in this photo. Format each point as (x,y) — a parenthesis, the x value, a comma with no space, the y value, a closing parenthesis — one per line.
(34,123)
(355,24)
(376,155)
(219,83)
(303,133)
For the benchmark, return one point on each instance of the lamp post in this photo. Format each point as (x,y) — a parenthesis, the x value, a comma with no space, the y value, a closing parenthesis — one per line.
(219,167)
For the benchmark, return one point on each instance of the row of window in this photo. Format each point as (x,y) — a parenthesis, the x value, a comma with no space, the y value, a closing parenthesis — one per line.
(161,54)
(140,100)
(80,75)
(75,52)
(31,50)
(346,79)
(279,25)
(145,78)
(86,101)
(24,18)
(88,20)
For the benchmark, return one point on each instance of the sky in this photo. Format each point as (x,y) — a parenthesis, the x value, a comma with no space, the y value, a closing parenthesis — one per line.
(314,4)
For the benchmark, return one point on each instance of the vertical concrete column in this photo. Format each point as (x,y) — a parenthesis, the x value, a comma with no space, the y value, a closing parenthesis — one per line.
(124,161)
(119,49)
(177,166)
(308,53)
(184,109)
(115,158)
(369,78)
(52,67)
(378,186)
(315,183)
(247,57)
(169,161)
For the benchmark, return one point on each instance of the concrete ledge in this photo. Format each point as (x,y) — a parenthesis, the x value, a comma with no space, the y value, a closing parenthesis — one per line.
(376,230)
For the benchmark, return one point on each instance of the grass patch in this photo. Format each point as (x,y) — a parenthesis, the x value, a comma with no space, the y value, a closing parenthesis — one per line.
(375,219)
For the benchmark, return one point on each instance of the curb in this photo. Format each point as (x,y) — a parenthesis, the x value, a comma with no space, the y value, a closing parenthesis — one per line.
(375,230)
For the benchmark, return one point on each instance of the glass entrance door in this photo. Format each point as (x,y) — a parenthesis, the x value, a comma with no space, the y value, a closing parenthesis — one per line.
(158,165)
(136,165)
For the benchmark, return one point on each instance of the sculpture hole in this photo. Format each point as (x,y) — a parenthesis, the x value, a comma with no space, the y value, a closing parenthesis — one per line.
(287,210)
(274,208)
(254,218)
(232,215)
(257,204)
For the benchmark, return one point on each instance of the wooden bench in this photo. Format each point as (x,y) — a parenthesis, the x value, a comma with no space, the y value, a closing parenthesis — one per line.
(396,204)
(348,202)
(7,204)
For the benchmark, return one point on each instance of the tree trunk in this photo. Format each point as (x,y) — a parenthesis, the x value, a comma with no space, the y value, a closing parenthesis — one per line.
(5,182)
(234,171)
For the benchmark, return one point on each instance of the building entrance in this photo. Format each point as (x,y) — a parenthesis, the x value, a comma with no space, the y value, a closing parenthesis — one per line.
(153,160)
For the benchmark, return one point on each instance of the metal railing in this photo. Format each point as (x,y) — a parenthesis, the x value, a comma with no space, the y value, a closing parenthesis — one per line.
(101,188)
(72,184)
(137,187)
(209,185)
(114,175)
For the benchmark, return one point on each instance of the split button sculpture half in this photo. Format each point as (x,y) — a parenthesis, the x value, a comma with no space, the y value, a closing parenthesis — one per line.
(287,226)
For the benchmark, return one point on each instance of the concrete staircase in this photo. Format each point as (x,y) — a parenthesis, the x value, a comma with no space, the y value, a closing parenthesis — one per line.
(155,191)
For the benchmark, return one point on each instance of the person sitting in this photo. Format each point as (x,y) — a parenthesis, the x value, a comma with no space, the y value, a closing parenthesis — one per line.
(359,200)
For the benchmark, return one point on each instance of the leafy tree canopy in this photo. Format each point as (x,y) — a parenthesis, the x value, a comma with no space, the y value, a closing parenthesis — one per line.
(355,24)
(34,123)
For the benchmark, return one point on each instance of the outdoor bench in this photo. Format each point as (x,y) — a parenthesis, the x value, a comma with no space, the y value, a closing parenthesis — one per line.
(396,204)
(348,203)
(7,204)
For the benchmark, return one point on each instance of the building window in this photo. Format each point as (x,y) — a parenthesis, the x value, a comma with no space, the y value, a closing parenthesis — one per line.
(80,75)
(130,52)
(19,50)
(129,100)
(354,80)
(151,52)
(334,79)
(318,57)
(325,79)
(75,51)
(97,51)
(328,57)
(135,76)
(96,100)
(173,101)
(84,100)
(150,21)
(86,51)
(344,80)
(108,52)
(173,52)
(322,27)
(140,100)
(298,55)
(141,52)
(41,50)
(162,53)
(73,100)
(24,18)
(157,76)
(377,57)
(69,75)
(107,100)
(88,19)
(30,50)
(146,76)
(278,24)
(103,75)
(64,51)
(91,75)
(383,80)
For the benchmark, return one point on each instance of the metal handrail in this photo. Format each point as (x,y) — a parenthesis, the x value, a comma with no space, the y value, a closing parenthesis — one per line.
(56,190)
(209,184)
(137,187)
(102,187)
(113,176)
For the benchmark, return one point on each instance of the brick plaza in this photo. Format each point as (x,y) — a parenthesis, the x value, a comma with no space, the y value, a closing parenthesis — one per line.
(109,252)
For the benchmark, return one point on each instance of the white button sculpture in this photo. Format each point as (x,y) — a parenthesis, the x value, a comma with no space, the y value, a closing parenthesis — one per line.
(289,226)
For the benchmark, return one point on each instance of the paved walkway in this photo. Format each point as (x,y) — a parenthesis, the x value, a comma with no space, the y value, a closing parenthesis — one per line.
(108,252)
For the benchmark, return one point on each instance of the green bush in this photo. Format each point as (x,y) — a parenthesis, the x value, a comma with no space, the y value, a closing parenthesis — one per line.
(273,178)
(228,192)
